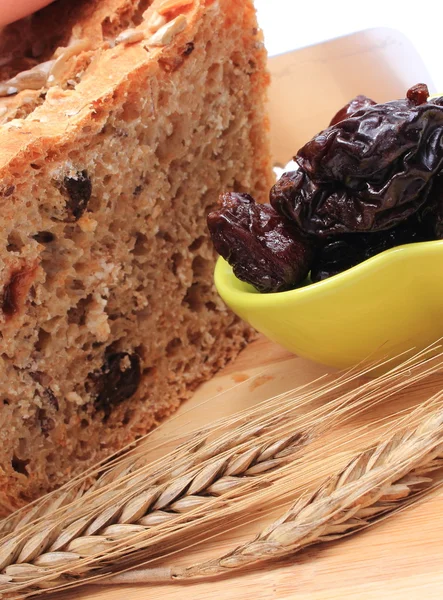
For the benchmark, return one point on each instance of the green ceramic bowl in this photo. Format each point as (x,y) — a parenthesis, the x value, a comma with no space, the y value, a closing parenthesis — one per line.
(389,304)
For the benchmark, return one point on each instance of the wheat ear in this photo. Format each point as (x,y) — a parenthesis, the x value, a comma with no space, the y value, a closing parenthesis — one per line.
(91,533)
(122,469)
(375,483)
(29,559)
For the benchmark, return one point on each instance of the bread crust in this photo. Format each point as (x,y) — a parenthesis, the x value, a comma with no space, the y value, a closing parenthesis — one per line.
(58,121)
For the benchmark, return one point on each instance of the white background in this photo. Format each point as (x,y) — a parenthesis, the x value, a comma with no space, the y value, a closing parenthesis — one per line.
(291,24)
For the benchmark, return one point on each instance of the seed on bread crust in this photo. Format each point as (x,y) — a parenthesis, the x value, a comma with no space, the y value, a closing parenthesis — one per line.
(32,79)
(166,34)
(130,36)
(63,57)
(170,5)
(155,22)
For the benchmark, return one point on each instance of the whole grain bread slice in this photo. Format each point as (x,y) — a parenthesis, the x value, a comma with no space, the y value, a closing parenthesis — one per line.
(122,121)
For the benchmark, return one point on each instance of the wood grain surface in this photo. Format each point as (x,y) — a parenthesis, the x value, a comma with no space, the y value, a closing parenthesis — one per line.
(400,558)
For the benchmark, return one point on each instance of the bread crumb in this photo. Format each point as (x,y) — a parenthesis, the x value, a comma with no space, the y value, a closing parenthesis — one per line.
(75,398)
(97,319)
(87,224)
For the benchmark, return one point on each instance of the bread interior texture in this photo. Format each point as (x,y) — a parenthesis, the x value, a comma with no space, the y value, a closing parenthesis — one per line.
(109,314)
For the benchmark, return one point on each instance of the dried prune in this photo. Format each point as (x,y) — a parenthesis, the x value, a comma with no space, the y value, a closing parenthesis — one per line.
(367,172)
(357,103)
(431,215)
(336,256)
(264,249)
(371,181)
(78,189)
(343,252)
(117,381)
(10,303)
(189,49)
(47,424)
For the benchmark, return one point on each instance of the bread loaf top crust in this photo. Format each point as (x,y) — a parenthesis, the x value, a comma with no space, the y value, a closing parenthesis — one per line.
(71,105)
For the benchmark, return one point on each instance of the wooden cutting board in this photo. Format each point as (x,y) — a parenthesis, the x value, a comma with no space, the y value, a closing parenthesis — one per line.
(400,558)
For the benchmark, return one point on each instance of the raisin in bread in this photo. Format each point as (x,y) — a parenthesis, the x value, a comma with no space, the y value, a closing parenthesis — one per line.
(122,121)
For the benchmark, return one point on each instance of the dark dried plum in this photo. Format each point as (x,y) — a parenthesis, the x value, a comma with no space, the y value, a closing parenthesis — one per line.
(431,215)
(47,424)
(189,49)
(50,405)
(263,248)
(78,189)
(343,252)
(10,303)
(367,172)
(335,256)
(371,181)
(117,381)
(357,103)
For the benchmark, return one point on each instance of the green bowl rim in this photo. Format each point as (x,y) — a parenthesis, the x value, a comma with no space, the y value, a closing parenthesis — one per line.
(346,277)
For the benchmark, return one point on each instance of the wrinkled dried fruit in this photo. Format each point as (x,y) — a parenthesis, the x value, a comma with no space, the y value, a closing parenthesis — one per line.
(431,215)
(16,290)
(343,252)
(371,181)
(263,248)
(118,380)
(357,103)
(78,189)
(189,49)
(367,172)
(47,424)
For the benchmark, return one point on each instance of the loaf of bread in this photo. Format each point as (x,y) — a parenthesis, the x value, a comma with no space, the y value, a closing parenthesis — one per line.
(122,121)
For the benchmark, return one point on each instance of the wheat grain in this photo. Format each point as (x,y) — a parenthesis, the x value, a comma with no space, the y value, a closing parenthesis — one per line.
(123,465)
(219,472)
(43,553)
(376,482)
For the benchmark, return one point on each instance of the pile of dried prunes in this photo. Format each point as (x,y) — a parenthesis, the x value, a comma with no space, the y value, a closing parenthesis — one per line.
(371,181)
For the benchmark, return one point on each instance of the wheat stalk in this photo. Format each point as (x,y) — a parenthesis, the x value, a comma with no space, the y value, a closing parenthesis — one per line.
(118,468)
(375,483)
(24,558)
(115,469)
(136,505)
